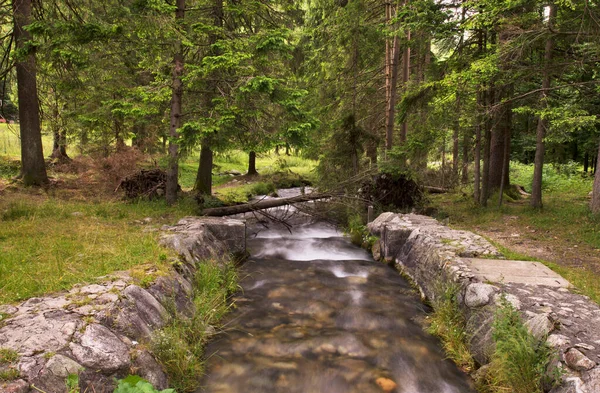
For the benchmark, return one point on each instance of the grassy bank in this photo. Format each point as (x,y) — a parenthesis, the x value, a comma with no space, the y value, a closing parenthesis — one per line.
(79,228)
(519,362)
(179,347)
(47,245)
(564,235)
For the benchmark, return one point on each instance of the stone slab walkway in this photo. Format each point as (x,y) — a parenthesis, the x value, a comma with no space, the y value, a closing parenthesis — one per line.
(516,272)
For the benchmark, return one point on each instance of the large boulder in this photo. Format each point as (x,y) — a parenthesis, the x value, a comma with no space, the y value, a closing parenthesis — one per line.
(200,238)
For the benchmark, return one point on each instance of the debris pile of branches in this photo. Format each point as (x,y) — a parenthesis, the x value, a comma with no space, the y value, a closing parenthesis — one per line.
(398,191)
(147,183)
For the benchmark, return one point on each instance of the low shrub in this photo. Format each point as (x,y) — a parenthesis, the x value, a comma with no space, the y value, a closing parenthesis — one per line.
(520,361)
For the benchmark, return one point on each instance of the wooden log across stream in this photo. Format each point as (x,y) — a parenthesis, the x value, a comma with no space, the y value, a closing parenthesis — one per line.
(263,204)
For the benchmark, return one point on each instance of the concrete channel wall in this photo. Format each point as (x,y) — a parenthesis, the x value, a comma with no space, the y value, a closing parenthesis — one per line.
(435,256)
(98,331)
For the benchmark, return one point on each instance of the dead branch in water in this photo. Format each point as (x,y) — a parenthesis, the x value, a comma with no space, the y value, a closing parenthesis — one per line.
(263,204)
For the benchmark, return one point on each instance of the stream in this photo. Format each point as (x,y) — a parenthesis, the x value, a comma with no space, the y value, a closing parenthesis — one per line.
(316,314)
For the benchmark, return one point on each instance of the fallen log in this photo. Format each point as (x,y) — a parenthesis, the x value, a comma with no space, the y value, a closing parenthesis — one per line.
(436,190)
(263,204)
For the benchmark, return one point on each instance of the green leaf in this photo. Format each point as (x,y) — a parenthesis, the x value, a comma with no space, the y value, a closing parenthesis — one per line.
(136,384)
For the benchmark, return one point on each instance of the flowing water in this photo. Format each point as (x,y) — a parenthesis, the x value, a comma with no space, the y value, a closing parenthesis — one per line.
(318,315)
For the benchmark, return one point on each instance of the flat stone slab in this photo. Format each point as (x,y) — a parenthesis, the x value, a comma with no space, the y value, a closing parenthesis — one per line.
(516,272)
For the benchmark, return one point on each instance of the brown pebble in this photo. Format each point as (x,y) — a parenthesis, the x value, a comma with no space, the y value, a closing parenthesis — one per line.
(386,384)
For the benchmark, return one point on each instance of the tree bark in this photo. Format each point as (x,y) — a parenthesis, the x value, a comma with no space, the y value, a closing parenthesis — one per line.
(204,176)
(405,79)
(499,175)
(536,188)
(252,163)
(59,146)
(388,84)
(477,154)
(171,186)
(391,105)
(465,156)
(455,135)
(33,167)
(120,142)
(505,164)
(487,138)
(595,202)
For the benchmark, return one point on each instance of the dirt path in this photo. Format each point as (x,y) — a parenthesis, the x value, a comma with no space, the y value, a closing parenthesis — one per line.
(512,234)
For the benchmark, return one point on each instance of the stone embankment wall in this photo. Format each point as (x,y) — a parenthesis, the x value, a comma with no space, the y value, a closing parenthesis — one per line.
(435,256)
(98,331)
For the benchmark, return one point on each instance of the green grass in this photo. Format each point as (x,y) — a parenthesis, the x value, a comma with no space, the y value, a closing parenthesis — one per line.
(179,347)
(8,360)
(10,145)
(519,361)
(9,374)
(45,247)
(8,356)
(267,164)
(448,323)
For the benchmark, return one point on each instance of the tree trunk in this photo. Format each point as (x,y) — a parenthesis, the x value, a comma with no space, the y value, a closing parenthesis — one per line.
(506,162)
(485,177)
(388,79)
(33,167)
(455,135)
(465,155)
(477,154)
(405,79)
(252,164)
(499,176)
(536,188)
(140,137)
(59,146)
(595,203)
(120,142)
(171,187)
(586,159)
(391,105)
(204,177)
(372,151)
